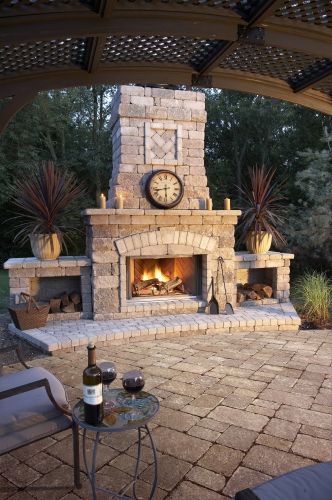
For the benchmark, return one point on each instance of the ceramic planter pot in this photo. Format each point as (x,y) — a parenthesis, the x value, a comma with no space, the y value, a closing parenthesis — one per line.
(45,246)
(258,242)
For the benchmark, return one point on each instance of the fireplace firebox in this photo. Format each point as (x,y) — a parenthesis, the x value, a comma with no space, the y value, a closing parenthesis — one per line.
(164,277)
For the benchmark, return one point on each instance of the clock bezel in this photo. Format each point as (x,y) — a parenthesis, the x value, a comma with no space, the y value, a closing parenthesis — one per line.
(152,199)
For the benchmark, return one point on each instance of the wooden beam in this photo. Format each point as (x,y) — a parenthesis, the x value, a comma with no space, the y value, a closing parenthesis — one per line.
(107,8)
(16,103)
(129,22)
(175,74)
(95,46)
(312,80)
(298,37)
(94,51)
(270,87)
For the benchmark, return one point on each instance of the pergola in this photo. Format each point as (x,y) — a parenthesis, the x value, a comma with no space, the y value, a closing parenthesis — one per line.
(277,48)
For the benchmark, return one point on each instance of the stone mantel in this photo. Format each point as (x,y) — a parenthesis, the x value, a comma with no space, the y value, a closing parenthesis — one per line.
(131,211)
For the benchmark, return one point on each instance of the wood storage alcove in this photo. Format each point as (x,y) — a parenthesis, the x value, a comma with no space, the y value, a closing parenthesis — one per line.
(164,277)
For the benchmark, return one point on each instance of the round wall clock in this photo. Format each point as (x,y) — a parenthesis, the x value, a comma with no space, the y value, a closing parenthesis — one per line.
(164,189)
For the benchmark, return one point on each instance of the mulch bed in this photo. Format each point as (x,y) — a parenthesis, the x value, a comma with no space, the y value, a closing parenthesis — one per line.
(315,325)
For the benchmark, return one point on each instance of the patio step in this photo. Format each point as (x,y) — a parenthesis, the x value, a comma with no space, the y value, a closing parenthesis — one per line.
(59,335)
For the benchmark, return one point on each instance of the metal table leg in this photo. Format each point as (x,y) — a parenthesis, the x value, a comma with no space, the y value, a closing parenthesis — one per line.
(91,472)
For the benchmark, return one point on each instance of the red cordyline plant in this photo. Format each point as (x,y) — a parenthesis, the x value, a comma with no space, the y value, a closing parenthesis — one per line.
(262,208)
(42,201)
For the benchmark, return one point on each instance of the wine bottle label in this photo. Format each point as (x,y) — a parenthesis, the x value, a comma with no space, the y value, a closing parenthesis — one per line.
(93,394)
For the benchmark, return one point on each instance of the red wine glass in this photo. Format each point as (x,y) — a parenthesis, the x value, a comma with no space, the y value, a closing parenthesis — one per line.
(109,373)
(133,382)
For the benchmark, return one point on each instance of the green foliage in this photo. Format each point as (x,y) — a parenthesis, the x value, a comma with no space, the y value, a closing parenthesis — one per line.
(4,290)
(69,127)
(310,215)
(262,209)
(313,295)
(244,130)
(43,201)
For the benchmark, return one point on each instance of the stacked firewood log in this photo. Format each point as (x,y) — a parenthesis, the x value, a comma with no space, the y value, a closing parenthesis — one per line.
(156,287)
(256,291)
(66,303)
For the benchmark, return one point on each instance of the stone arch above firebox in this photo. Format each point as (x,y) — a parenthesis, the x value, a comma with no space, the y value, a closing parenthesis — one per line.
(166,242)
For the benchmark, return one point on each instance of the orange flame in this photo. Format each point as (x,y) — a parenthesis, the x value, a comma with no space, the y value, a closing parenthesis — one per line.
(158,274)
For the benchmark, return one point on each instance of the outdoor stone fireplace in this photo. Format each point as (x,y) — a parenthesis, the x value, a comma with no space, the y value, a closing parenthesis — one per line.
(148,260)
(143,260)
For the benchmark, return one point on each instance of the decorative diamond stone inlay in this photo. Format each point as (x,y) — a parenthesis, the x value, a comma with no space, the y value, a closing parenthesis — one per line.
(163,144)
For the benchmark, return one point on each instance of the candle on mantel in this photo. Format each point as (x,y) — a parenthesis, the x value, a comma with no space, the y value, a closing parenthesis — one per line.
(208,204)
(102,201)
(227,204)
(119,201)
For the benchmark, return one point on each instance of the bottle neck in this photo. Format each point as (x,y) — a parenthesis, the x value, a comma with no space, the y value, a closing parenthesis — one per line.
(92,356)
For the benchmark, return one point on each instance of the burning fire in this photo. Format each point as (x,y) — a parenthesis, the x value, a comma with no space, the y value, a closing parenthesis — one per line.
(157,274)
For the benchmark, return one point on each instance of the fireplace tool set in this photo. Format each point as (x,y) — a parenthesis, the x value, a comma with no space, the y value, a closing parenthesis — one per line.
(213,306)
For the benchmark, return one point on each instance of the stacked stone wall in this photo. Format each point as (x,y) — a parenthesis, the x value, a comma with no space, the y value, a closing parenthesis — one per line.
(158,129)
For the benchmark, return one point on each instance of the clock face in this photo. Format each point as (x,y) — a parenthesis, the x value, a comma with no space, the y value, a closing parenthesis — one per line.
(164,189)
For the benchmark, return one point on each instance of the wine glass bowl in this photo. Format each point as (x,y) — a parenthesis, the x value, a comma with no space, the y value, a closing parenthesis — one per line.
(109,374)
(133,382)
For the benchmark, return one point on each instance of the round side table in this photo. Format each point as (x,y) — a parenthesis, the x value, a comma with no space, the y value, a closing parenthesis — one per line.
(121,418)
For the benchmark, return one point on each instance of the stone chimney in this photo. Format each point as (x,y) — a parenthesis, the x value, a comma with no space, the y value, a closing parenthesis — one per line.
(155,129)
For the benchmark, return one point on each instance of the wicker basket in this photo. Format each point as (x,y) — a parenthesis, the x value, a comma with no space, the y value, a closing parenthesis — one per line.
(28,314)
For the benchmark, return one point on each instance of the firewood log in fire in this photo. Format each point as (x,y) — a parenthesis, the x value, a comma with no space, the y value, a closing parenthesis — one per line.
(172,285)
(158,287)
(143,284)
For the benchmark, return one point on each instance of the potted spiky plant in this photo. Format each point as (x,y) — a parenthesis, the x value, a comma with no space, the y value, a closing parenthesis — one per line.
(262,214)
(43,201)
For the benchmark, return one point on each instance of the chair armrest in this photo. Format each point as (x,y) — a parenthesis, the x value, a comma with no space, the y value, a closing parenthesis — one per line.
(30,387)
(16,348)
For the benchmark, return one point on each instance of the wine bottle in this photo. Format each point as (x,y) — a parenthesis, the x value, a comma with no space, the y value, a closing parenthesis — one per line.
(92,389)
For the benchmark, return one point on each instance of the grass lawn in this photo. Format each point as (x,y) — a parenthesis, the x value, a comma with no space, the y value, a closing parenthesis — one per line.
(4,290)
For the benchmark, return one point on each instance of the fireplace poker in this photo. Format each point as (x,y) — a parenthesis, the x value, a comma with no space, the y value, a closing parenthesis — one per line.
(228,306)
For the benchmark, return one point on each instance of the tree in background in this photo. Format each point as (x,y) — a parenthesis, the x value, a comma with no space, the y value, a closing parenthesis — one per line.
(310,216)
(70,127)
(244,130)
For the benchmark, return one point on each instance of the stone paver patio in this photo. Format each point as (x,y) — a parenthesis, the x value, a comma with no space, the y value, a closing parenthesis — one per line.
(236,409)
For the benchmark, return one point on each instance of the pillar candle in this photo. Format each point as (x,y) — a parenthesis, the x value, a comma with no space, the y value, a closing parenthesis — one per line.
(119,201)
(102,201)
(208,204)
(227,204)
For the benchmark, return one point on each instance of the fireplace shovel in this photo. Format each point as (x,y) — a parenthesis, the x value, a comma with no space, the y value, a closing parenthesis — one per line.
(213,305)
(228,307)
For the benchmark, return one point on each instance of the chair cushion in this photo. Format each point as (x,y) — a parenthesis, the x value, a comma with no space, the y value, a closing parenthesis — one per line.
(30,416)
(307,483)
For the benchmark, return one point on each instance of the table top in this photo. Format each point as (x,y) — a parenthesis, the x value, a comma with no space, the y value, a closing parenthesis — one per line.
(124,415)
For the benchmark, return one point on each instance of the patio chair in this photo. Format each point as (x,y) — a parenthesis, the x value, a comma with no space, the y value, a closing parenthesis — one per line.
(33,405)
(308,483)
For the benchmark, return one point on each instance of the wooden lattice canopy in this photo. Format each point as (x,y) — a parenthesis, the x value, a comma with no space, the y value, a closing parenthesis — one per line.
(278,48)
